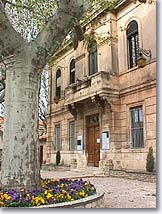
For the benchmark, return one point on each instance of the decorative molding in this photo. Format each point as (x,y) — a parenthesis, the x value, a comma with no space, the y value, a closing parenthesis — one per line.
(72,110)
(75,110)
(80,57)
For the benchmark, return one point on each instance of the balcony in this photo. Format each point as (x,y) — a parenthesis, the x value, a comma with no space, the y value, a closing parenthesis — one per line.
(97,88)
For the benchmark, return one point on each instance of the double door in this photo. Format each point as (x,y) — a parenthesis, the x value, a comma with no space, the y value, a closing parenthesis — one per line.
(93,141)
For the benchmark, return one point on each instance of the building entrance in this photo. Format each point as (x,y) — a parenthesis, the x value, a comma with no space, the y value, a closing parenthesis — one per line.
(93,140)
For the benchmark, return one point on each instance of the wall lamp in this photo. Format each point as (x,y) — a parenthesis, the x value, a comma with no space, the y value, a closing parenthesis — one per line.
(141,59)
(144,1)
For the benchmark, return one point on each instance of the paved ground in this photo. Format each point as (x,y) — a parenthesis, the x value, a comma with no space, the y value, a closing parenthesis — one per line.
(126,193)
(119,192)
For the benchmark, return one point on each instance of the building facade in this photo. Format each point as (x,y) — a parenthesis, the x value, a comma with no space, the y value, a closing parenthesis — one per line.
(102,103)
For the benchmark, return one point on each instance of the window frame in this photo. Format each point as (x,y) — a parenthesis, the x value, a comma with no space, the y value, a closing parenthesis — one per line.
(93,57)
(58,85)
(132,43)
(72,146)
(72,72)
(57,137)
(139,145)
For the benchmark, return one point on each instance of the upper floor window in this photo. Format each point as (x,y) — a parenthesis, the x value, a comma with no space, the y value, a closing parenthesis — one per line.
(57,138)
(72,71)
(93,67)
(137,138)
(58,83)
(71,136)
(133,43)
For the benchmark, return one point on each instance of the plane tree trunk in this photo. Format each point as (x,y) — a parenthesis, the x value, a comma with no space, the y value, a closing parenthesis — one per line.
(20,165)
(20,160)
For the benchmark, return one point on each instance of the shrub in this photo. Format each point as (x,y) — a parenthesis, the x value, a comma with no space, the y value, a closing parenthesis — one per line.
(150,160)
(58,158)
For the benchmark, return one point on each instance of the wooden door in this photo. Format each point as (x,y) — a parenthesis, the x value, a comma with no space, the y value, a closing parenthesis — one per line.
(93,144)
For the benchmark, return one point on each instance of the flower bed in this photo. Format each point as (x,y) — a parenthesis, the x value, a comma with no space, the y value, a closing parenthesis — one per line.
(52,191)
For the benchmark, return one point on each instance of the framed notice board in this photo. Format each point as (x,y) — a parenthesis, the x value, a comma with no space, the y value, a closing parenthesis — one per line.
(105,140)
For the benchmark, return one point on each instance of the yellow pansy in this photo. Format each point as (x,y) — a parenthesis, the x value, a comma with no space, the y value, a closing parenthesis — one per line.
(7,197)
(1,204)
(45,192)
(54,179)
(61,196)
(38,201)
(49,195)
(63,191)
(82,193)
(69,197)
(62,185)
(42,200)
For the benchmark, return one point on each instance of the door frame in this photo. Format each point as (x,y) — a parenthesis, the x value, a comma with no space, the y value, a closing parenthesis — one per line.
(97,124)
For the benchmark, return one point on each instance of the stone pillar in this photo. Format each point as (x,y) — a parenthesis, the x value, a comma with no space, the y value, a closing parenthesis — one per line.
(73,164)
(108,166)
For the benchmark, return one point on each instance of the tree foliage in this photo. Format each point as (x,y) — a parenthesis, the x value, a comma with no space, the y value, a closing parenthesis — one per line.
(29,17)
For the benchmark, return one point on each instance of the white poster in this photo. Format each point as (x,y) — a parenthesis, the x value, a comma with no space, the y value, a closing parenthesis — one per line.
(98,140)
(79,142)
(105,140)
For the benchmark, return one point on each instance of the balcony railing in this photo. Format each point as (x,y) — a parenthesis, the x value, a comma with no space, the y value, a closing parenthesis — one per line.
(97,84)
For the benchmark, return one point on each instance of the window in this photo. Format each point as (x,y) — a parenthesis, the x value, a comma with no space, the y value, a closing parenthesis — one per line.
(93,67)
(137,138)
(133,43)
(57,138)
(71,136)
(58,83)
(72,71)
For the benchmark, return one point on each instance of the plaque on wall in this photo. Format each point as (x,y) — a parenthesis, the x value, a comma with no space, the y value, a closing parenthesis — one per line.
(79,142)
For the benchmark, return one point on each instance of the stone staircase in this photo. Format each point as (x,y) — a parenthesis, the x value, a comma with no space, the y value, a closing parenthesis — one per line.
(53,167)
(89,171)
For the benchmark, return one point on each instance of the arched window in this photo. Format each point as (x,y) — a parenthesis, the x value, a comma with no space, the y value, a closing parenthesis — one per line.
(92,48)
(58,83)
(133,43)
(72,71)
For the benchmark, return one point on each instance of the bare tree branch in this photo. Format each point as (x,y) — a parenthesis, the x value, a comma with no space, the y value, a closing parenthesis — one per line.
(2,95)
(10,40)
(65,18)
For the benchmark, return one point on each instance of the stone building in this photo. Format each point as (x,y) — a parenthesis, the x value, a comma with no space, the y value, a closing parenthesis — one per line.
(102,100)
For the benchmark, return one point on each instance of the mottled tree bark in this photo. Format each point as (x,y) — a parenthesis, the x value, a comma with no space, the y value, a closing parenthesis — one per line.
(20,165)
(20,161)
